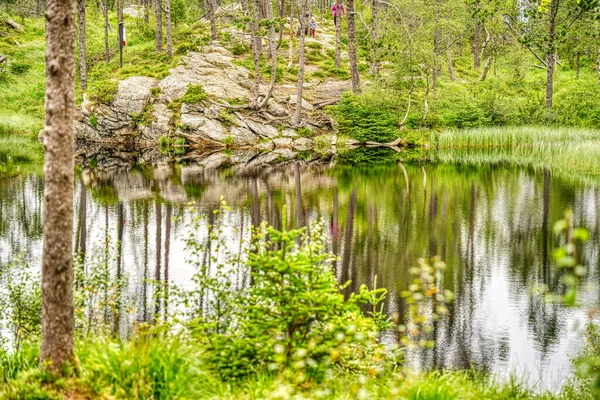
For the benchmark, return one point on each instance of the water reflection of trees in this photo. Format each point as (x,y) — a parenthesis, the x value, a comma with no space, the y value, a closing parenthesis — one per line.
(491,225)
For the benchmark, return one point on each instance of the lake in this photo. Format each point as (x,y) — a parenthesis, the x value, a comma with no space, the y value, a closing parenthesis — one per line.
(491,224)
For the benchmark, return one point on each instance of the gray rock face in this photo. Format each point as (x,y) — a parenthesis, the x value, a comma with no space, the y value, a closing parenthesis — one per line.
(282,142)
(262,130)
(290,133)
(204,128)
(305,104)
(302,144)
(275,109)
(243,137)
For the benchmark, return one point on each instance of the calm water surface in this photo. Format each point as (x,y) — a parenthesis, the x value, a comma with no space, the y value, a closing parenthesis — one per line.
(492,226)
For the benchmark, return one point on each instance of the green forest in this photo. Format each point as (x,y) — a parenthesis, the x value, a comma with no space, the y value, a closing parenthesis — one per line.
(298,199)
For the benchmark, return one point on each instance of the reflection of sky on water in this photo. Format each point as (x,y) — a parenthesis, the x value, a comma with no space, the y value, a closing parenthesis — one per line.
(491,225)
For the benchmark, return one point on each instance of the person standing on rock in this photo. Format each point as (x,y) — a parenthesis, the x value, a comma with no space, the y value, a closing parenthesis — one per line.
(313,27)
(338,12)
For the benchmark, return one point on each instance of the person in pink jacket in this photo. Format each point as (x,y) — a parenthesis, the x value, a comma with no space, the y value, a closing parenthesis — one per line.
(338,7)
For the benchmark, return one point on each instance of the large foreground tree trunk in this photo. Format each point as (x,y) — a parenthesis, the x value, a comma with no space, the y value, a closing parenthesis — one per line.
(57,346)
(82,45)
(352,48)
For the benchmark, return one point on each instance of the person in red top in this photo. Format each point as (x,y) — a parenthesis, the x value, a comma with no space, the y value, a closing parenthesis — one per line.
(338,7)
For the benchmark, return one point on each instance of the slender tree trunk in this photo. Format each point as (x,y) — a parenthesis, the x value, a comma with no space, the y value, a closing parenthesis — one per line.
(82,45)
(477,39)
(272,52)
(159,33)
(147,14)
(168,28)
(212,6)
(106,28)
(57,346)
(352,48)
(551,53)
(158,257)
(338,34)
(291,41)
(486,69)
(374,66)
(301,56)
(256,49)
(119,11)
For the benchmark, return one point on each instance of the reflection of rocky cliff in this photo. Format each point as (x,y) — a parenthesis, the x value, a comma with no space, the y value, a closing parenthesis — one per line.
(118,176)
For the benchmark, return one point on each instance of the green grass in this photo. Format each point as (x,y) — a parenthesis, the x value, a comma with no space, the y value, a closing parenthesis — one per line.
(164,366)
(563,150)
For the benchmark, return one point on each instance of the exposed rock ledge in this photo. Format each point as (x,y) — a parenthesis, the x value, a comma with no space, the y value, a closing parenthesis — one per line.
(142,110)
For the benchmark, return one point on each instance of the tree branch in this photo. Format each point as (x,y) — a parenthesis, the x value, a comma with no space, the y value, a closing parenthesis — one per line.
(514,31)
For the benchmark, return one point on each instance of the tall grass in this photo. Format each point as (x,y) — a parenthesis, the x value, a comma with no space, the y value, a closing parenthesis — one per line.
(562,150)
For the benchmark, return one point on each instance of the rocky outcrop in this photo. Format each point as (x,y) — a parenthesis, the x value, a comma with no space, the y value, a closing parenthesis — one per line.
(145,109)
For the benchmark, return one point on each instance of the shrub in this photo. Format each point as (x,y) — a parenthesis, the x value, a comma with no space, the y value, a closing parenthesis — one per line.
(239,48)
(366,118)
(293,318)
(103,92)
(194,94)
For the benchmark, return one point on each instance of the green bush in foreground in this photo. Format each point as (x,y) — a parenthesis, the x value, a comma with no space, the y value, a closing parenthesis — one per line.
(194,94)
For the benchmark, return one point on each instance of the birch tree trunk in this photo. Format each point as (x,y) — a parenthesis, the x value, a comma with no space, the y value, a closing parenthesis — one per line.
(256,50)
(272,52)
(338,34)
(352,48)
(213,18)
(168,28)
(374,66)
(303,23)
(550,55)
(82,44)
(158,11)
(57,346)
(477,39)
(106,27)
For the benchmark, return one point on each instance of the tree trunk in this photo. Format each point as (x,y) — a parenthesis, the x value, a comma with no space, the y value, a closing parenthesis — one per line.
(147,12)
(158,10)
(57,348)
(82,45)
(486,69)
(119,11)
(301,56)
(168,28)
(352,48)
(291,41)
(212,5)
(106,28)
(272,52)
(374,66)
(477,39)
(550,55)
(338,34)
(256,49)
